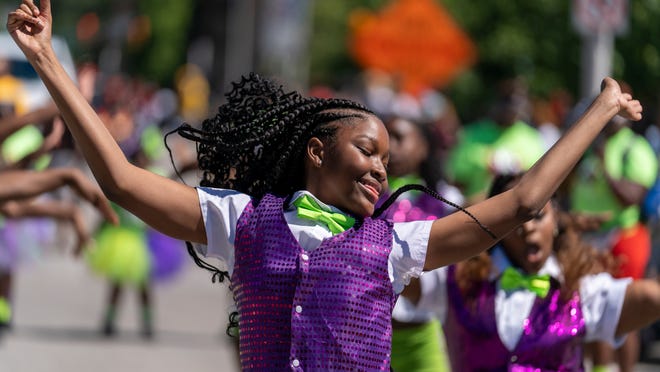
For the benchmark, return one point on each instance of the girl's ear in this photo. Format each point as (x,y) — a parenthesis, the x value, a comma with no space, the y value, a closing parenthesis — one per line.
(315,150)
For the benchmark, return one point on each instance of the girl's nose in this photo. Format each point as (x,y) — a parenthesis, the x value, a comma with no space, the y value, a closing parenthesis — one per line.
(379,172)
(526,228)
(529,226)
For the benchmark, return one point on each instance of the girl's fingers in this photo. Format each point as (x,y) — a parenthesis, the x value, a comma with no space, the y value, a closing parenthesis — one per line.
(44,7)
(635,110)
(33,8)
(25,8)
(102,204)
(19,16)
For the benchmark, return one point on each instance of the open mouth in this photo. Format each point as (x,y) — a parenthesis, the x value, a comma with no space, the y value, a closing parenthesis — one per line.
(533,253)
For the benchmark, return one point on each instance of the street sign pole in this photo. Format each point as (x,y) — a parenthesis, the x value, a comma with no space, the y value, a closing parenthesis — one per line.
(598,21)
(596,61)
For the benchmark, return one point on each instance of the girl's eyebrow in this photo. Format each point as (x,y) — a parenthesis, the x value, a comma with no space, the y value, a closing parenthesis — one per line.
(370,138)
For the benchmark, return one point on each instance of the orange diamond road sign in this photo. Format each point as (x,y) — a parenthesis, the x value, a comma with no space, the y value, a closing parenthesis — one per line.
(414,40)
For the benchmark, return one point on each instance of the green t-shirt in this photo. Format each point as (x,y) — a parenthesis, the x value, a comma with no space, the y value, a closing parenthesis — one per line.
(471,161)
(627,156)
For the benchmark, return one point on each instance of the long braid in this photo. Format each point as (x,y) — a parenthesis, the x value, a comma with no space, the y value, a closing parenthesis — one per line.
(434,194)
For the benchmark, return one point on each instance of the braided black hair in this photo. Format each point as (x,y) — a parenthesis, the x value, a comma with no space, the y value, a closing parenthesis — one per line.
(256,142)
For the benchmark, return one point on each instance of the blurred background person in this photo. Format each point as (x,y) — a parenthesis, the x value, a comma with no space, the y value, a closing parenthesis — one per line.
(532,300)
(612,181)
(417,342)
(502,142)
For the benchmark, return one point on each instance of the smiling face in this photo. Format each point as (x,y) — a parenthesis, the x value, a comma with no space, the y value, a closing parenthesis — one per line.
(348,172)
(530,245)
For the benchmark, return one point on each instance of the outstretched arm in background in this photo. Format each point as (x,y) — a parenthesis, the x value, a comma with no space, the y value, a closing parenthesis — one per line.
(19,185)
(456,237)
(168,206)
(11,124)
(59,210)
(50,142)
(641,306)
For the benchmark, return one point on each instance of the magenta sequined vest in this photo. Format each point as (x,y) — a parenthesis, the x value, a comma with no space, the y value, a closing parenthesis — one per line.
(328,309)
(420,207)
(551,340)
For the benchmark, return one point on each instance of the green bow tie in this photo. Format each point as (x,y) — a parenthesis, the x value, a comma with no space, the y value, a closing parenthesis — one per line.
(513,279)
(308,208)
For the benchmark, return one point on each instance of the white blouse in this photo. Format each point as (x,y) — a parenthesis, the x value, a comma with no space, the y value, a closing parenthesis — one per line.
(601,300)
(221,209)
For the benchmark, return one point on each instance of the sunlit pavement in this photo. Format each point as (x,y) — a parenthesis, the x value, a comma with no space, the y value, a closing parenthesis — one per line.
(58,310)
(58,306)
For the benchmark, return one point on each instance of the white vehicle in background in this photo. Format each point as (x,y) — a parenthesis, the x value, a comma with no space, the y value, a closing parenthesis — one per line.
(21,68)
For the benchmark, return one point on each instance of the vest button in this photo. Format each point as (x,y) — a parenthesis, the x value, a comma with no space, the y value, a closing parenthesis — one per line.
(298,309)
(305,257)
(295,363)
(514,359)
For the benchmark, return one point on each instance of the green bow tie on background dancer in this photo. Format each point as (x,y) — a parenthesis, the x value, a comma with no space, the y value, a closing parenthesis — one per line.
(513,279)
(309,209)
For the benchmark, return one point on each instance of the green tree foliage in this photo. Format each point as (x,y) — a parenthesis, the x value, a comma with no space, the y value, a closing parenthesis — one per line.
(166,48)
(533,39)
(156,59)
(637,58)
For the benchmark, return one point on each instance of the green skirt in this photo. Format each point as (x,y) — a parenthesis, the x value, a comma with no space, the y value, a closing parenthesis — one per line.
(121,254)
(419,349)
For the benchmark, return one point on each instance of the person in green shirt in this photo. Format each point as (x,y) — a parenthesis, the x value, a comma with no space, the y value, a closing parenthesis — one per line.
(612,181)
(501,143)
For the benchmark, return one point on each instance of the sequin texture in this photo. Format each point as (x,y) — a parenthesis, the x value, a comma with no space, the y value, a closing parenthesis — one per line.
(551,339)
(326,309)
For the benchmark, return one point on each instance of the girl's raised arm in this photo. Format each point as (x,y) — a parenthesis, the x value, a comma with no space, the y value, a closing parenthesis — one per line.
(168,206)
(457,237)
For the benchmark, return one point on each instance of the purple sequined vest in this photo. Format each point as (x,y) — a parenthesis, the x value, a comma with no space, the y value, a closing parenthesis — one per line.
(327,309)
(551,340)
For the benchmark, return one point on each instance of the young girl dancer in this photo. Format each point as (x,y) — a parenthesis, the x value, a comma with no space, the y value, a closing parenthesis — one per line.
(534,301)
(17,190)
(307,299)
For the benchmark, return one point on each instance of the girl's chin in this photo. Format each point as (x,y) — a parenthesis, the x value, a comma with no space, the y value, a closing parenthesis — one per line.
(533,267)
(361,211)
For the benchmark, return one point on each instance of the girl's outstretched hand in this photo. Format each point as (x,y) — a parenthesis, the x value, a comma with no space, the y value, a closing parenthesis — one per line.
(31,27)
(89,191)
(81,233)
(628,107)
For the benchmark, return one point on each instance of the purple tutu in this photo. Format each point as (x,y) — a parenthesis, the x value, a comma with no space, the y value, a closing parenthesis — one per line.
(23,240)
(167,255)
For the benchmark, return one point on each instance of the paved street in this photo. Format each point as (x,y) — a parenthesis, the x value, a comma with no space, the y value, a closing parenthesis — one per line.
(58,310)
(59,305)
